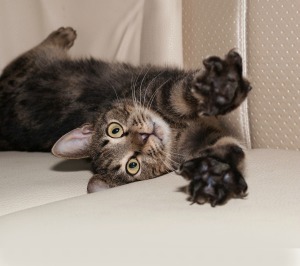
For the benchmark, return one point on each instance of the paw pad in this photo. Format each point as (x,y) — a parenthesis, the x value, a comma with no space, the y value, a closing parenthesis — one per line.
(220,84)
(212,181)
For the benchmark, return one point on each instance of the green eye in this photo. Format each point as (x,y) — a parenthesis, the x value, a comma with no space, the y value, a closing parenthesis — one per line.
(132,166)
(115,130)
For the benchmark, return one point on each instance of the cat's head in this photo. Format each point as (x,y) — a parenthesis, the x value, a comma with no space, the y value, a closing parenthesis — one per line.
(128,143)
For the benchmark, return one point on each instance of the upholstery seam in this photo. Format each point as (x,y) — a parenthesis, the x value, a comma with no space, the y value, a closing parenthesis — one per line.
(242,40)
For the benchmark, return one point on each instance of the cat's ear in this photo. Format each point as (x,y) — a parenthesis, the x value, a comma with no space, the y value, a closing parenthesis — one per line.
(96,184)
(75,144)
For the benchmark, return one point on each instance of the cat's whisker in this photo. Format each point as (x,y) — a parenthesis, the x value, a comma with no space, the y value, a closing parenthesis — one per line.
(171,160)
(118,99)
(145,93)
(168,167)
(149,67)
(133,88)
(154,94)
(133,91)
(168,160)
(152,98)
(133,96)
(159,155)
(174,153)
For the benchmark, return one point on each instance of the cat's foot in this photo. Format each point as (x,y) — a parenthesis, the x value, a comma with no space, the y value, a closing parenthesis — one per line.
(63,37)
(221,87)
(212,181)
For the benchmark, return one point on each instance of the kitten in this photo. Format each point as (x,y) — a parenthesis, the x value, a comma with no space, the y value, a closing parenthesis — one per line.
(135,123)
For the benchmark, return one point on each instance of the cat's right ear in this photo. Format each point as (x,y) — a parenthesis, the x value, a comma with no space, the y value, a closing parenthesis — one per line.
(96,184)
(75,144)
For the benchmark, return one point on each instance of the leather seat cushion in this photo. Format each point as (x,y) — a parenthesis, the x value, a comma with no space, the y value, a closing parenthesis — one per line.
(271,208)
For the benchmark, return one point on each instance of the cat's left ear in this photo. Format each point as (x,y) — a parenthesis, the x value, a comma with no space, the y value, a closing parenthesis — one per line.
(75,144)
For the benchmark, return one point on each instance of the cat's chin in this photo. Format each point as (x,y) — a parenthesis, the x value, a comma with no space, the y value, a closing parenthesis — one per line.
(158,140)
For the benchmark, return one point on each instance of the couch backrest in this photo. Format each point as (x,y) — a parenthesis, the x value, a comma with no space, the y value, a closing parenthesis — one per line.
(274,68)
(134,31)
(175,32)
(106,29)
(267,34)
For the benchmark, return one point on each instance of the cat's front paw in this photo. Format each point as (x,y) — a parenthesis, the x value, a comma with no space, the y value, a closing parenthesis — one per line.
(221,87)
(212,181)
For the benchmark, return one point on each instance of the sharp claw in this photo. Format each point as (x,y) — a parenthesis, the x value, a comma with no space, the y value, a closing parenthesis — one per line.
(213,181)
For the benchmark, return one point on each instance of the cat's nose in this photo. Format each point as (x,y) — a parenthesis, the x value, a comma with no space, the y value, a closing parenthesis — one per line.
(144,137)
(139,139)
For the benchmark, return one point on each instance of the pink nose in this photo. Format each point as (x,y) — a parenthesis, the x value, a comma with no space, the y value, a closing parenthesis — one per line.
(144,136)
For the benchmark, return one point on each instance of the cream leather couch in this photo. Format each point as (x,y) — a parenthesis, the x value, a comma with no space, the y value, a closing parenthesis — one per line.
(46,216)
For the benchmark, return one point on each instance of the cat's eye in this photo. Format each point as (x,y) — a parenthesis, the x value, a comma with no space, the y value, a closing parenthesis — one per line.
(115,130)
(132,166)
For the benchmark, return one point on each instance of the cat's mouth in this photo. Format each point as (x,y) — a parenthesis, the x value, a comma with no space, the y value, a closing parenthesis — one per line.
(157,132)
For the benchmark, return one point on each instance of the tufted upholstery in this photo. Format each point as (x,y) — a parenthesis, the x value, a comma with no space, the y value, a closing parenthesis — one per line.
(215,27)
(266,33)
(273,66)
(46,218)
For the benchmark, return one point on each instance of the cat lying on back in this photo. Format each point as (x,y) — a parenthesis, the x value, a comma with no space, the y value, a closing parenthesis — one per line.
(135,123)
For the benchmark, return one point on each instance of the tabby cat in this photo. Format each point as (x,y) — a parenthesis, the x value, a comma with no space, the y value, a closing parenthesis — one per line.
(134,123)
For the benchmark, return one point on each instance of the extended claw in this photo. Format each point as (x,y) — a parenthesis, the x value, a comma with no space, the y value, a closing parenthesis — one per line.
(212,181)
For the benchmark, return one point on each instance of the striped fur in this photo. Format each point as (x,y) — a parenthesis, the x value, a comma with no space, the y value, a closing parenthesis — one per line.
(168,116)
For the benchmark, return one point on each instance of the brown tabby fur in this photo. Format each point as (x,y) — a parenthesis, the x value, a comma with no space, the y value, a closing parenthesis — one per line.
(167,117)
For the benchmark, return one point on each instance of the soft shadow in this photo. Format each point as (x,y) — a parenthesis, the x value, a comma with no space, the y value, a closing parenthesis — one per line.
(72,166)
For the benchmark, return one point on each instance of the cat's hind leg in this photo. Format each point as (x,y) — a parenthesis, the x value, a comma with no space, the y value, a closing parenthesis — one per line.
(13,81)
(216,175)
(62,38)
(53,48)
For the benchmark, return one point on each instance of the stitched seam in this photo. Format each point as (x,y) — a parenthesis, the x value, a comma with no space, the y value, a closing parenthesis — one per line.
(242,40)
